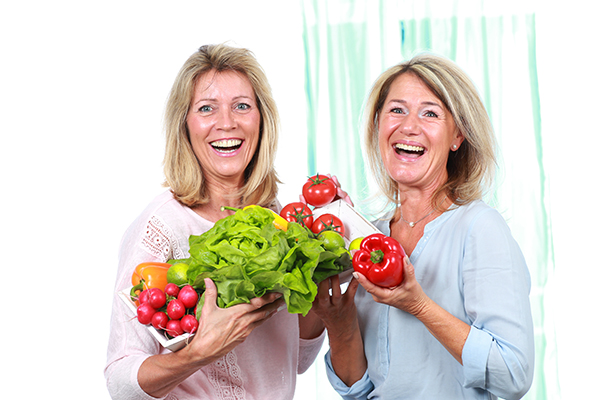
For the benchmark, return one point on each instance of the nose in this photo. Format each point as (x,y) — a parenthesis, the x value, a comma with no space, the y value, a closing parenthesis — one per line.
(226,120)
(410,124)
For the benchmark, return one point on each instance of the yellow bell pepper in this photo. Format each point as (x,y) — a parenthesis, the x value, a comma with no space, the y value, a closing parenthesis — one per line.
(279,221)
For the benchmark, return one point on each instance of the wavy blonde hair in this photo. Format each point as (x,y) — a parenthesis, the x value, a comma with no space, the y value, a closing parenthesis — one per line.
(182,169)
(471,168)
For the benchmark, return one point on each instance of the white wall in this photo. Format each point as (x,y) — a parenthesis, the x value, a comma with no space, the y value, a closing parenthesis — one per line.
(82,88)
(569,86)
(82,91)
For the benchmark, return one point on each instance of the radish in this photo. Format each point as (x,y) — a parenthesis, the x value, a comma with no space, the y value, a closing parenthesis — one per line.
(145,313)
(171,290)
(143,297)
(189,323)
(159,320)
(188,296)
(156,298)
(174,328)
(175,309)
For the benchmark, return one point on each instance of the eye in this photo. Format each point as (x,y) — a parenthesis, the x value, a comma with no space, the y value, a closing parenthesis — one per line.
(430,114)
(205,109)
(397,110)
(243,106)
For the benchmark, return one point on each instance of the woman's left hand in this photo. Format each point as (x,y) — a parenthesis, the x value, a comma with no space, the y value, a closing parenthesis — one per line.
(408,296)
(340,194)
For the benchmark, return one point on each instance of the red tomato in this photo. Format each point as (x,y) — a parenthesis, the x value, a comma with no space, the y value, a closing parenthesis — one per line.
(319,190)
(328,222)
(298,212)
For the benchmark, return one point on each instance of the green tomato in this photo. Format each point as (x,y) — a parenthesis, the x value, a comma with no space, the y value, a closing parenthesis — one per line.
(331,240)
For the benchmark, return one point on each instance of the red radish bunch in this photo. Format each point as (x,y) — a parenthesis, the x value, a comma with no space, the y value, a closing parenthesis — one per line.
(172,310)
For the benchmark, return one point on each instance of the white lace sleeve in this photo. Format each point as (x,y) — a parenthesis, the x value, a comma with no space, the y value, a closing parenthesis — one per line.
(160,242)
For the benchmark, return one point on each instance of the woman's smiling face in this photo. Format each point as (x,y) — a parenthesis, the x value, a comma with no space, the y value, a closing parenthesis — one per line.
(224,125)
(416,134)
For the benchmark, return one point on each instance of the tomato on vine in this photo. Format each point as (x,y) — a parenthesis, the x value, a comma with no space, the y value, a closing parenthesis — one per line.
(328,222)
(319,190)
(298,212)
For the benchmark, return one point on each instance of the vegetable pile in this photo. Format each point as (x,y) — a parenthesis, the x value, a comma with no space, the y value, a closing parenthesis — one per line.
(247,256)
(171,310)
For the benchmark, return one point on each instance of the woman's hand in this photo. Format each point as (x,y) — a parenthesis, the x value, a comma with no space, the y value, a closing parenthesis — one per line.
(222,329)
(219,331)
(336,310)
(408,296)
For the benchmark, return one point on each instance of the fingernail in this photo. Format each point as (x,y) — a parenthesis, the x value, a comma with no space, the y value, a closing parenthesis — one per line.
(355,275)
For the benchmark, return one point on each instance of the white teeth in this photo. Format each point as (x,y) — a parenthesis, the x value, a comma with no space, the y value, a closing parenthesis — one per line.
(409,147)
(226,143)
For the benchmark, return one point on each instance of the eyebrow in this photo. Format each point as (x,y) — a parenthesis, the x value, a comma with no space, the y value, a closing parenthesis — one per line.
(242,96)
(425,103)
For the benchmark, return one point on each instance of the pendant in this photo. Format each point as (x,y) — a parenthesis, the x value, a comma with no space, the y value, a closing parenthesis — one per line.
(411,224)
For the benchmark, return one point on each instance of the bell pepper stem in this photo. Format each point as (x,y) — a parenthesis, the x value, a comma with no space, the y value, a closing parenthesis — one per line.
(223,208)
(377,256)
(139,286)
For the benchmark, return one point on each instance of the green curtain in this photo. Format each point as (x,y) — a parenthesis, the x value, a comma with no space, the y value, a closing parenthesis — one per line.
(349,43)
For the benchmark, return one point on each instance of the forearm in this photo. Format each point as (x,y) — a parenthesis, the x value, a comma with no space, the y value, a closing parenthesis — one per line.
(311,326)
(450,331)
(347,354)
(160,374)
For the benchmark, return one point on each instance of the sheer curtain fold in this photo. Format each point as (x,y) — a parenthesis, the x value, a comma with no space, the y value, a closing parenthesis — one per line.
(349,43)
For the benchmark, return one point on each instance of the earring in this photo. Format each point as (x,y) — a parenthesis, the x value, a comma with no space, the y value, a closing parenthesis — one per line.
(454,147)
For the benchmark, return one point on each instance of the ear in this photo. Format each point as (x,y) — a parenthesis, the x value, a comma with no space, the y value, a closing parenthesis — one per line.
(458,139)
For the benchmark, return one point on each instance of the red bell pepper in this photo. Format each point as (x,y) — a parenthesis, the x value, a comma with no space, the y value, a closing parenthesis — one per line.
(380,259)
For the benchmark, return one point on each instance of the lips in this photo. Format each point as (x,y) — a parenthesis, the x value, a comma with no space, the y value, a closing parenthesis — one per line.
(226,146)
(407,150)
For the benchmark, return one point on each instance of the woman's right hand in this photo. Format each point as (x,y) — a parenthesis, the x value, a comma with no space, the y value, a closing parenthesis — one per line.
(222,329)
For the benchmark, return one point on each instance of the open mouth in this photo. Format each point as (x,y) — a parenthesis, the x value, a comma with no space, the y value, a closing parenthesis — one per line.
(408,150)
(226,145)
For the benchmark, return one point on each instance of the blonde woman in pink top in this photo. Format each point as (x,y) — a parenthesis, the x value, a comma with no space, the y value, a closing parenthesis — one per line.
(221,130)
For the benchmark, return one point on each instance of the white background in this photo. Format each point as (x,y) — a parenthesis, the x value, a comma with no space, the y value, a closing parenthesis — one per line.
(82,92)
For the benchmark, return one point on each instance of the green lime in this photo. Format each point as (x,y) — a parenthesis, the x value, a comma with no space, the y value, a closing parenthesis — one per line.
(177,274)
(355,244)
(331,240)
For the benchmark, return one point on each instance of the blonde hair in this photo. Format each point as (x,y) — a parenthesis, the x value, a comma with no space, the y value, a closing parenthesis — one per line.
(183,173)
(471,168)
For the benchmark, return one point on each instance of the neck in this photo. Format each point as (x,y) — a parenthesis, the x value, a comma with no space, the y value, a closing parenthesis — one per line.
(420,207)
(221,194)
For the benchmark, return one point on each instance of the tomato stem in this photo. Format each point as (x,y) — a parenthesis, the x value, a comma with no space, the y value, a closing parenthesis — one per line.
(317,180)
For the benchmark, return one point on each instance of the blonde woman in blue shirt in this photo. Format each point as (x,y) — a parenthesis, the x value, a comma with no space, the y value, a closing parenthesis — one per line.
(459,326)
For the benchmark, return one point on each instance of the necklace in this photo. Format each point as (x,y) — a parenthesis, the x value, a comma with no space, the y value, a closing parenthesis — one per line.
(412,224)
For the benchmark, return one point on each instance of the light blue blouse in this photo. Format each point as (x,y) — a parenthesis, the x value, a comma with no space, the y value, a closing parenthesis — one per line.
(467,262)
